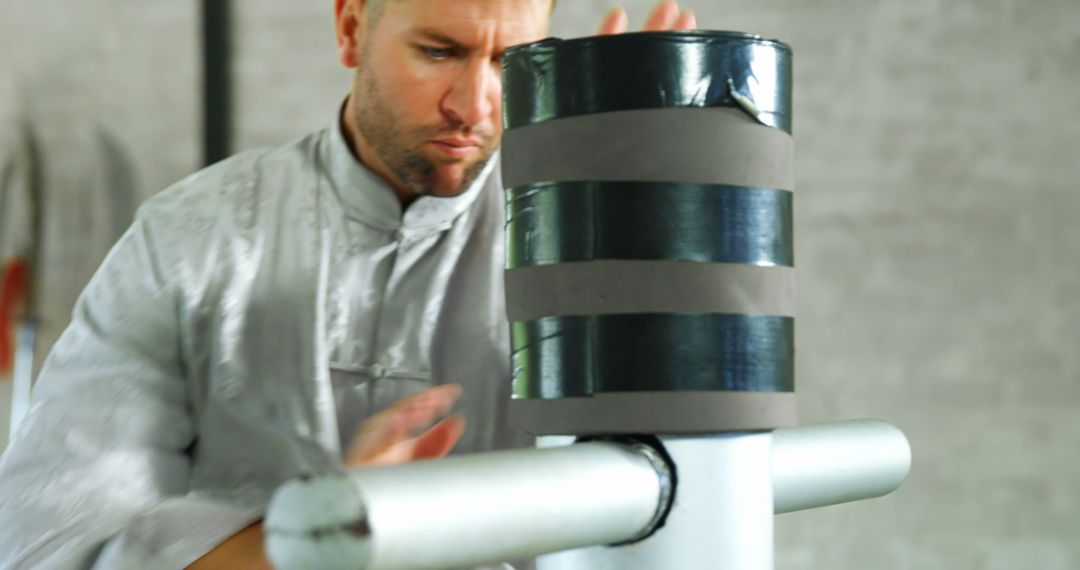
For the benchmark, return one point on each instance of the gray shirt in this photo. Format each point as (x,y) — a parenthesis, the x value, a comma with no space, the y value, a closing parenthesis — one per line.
(234,337)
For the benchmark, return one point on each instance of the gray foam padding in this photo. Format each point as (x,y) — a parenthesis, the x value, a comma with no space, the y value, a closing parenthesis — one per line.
(659,413)
(701,145)
(622,286)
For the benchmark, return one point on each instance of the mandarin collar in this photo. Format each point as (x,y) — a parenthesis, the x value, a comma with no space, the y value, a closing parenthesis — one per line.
(371,200)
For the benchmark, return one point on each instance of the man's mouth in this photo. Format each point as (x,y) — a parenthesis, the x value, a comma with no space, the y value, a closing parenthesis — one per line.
(457,147)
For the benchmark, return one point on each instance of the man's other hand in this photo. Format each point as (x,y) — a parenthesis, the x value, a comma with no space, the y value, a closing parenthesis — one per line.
(395,435)
(666,15)
(404,432)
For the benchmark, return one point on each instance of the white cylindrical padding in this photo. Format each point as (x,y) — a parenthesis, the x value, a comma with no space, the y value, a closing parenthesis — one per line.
(316,523)
(471,510)
(722,516)
(831,463)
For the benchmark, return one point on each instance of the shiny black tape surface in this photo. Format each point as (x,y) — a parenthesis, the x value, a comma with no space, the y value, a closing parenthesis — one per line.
(557,357)
(556,78)
(559,222)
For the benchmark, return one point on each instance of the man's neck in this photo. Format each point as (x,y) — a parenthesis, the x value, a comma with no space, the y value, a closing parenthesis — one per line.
(363,152)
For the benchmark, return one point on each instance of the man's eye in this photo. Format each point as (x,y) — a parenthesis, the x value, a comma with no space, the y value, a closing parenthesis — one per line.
(436,52)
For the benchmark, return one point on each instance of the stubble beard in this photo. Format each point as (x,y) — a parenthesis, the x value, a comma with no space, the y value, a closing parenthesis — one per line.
(399,148)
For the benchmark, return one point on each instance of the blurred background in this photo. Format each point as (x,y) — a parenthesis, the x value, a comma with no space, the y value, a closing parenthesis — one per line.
(938,244)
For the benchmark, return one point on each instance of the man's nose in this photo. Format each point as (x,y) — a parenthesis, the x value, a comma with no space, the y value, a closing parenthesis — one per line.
(470,98)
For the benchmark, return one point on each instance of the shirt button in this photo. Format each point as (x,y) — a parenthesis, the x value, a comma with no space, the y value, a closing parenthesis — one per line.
(377,371)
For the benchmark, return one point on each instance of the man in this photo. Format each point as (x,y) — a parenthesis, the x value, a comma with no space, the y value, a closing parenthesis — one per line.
(256,313)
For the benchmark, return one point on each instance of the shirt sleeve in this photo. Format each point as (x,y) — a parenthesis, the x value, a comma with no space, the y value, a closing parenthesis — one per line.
(97,474)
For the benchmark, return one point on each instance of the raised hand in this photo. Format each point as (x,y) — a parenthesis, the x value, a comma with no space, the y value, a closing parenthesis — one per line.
(666,15)
(394,435)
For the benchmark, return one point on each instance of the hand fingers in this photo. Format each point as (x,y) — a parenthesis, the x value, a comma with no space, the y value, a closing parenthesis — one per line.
(376,435)
(614,22)
(435,395)
(432,444)
(394,426)
(400,452)
(406,417)
(439,440)
(662,17)
(421,409)
(687,21)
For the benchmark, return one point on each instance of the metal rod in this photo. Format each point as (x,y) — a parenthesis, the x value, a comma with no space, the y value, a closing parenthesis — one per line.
(217,80)
(837,462)
(22,376)
(27,327)
(478,509)
(465,511)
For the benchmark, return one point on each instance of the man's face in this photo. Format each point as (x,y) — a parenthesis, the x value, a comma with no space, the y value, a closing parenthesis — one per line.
(427,98)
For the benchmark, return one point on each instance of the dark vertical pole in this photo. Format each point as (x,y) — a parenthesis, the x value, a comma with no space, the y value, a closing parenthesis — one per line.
(217,87)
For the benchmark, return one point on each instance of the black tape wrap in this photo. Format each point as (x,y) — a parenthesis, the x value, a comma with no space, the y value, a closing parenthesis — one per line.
(555,79)
(650,277)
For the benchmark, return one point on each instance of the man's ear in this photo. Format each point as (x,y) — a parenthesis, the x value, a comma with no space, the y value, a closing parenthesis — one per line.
(349,26)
